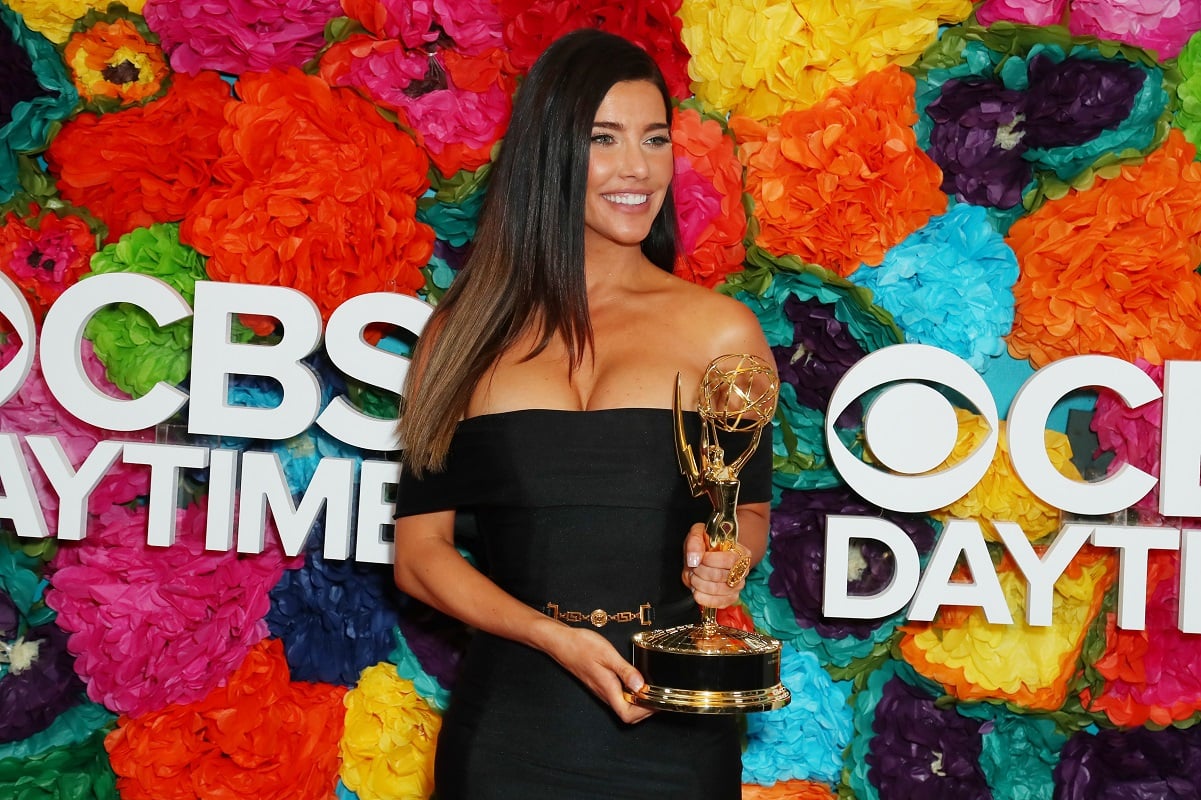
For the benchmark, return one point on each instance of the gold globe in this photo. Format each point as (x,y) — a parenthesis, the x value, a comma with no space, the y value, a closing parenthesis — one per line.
(738,393)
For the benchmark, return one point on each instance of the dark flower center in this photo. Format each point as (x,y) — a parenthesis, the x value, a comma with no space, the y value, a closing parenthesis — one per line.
(434,80)
(125,72)
(18,83)
(39,260)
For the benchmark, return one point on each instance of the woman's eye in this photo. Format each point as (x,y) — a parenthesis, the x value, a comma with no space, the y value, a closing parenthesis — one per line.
(602,138)
(659,141)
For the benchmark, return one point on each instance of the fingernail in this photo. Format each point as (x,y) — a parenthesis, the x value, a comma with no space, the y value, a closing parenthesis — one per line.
(694,559)
(635,684)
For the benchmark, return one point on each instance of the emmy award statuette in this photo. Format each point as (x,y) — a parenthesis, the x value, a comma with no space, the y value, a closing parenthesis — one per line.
(710,668)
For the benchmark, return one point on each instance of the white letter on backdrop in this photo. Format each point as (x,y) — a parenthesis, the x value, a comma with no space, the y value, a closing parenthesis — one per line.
(73,488)
(62,361)
(20,504)
(1133,544)
(359,360)
(1027,433)
(1042,573)
(840,532)
(264,484)
(215,358)
(1180,441)
(375,514)
(165,461)
(15,309)
(937,589)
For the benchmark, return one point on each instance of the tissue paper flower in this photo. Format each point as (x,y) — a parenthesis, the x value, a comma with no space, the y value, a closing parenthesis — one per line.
(470,26)
(39,684)
(1162,26)
(1128,248)
(35,94)
(805,739)
(761,60)
(1130,764)
(258,734)
(531,25)
(949,284)
(145,164)
(78,770)
(44,252)
(840,183)
(116,62)
(237,36)
(457,105)
(1000,494)
(314,190)
(1030,666)
(151,626)
(1026,12)
(388,746)
(1147,674)
(1188,91)
(136,352)
(707,188)
(54,19)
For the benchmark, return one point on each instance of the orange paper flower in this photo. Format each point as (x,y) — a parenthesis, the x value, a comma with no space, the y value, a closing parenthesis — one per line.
(314,190)
(840,183)
(260,736)
(1111,269)
(1030,666)
(708,196)
(113,61)
(787,790)
(145,164)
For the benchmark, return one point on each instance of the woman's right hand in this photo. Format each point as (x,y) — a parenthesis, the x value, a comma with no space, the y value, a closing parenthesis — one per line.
(590,658)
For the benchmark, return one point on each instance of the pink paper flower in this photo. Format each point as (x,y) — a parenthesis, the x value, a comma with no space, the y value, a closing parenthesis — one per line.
(239,36)
(34,410)
(1163,26)
(1133,434)
(1028,12)
(153,626)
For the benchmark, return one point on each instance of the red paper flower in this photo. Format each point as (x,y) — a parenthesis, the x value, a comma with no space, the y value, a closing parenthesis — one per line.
(145,164)
(259,736)
(44,253)
(708,195)
(314,190)
(471,26)
(841,182)
(530,27)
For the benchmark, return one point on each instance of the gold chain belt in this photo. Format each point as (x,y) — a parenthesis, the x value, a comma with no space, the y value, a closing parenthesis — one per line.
(645,615)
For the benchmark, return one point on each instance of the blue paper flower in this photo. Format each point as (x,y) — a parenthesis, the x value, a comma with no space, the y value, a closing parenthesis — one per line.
(335,617)
(805,739)
(950,285)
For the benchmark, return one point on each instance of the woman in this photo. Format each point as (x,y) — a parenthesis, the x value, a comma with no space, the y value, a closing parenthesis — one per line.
(539,403)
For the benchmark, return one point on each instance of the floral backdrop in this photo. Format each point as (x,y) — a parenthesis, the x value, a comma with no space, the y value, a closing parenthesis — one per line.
(1014,181)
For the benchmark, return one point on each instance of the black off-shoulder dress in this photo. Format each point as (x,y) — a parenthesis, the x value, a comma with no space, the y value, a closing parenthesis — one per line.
(586,510)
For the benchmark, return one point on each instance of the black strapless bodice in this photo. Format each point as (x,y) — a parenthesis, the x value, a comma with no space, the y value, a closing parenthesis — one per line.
(586,509)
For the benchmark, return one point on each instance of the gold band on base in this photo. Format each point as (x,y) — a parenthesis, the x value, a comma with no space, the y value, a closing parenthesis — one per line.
(706,702)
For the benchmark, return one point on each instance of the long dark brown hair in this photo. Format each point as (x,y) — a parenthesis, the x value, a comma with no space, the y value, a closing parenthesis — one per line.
(526,265)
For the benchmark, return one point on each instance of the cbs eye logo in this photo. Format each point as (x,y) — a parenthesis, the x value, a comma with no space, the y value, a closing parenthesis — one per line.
(911,428)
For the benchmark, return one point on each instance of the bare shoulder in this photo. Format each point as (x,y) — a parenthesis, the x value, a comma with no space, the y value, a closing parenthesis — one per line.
(715,323)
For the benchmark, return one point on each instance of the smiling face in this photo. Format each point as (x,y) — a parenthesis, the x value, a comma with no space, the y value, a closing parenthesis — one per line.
(629,166)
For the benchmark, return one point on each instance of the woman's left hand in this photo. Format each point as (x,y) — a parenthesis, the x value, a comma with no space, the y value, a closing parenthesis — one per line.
(708,573)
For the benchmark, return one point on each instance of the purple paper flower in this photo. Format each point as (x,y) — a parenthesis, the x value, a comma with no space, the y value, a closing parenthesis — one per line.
(920,750)
(437,640)
(821,352)
(978,142)
(1073,101)
(40,682)
(798,547)
(1136,764)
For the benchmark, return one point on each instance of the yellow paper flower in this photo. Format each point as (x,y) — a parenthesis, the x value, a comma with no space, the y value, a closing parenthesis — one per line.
(976,660)
(391,733)
(1001,494)
(54,18)
(760,58)
(113,61)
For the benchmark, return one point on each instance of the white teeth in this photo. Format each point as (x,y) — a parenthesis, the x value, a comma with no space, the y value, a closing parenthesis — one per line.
(626,199)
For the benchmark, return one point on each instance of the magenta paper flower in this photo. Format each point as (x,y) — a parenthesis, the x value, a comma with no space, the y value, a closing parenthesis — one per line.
(1028,12)
(151,626)
(457,104)
(34,410)
(1163,26)
(1133,435)
(472,26)
(237,36)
